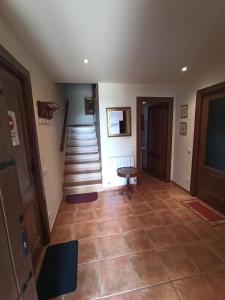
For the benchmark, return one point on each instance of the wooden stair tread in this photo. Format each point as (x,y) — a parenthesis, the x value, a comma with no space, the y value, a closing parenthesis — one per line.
(81,183)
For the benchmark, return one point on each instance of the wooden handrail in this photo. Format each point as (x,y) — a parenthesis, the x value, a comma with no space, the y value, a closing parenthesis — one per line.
(64,126)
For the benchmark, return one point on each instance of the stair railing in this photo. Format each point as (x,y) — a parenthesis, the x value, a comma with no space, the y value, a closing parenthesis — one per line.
(62,145)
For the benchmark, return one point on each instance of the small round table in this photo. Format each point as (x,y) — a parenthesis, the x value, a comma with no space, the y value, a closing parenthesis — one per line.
(127,172)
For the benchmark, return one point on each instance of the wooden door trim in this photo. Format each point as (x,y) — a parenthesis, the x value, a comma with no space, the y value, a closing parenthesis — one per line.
(11,64)
(216,88)
(170,101)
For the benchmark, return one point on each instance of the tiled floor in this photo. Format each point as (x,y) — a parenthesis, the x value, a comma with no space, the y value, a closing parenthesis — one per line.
(147,247)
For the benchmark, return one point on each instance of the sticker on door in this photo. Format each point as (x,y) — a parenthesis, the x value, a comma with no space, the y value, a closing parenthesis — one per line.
(13,128)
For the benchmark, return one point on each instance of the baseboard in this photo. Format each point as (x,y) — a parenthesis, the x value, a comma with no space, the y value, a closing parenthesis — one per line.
(180,186)
(56,212)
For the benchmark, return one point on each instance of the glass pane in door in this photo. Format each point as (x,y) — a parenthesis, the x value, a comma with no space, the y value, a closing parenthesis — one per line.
(215,136)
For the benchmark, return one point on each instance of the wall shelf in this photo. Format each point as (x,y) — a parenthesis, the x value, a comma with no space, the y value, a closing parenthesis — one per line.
(46,109)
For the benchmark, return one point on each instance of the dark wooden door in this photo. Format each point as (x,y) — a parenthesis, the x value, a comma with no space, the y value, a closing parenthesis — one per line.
(20,151)
(157,139)
(211,151)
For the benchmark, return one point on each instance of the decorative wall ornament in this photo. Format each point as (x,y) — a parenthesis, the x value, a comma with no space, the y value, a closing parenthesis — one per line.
(89,106)
(184,111)
(183,128)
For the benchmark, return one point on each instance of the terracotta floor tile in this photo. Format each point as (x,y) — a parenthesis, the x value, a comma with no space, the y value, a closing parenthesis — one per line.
(88,250)
(129,223)
(160,237)
(112,246)
(202,230)
(202,257)
(176,262)
(66,207)
(137,241)
(148,269)
(194,288)
(88,284)
(218,247)
(140,208)
(86,230)
(105,213)
(85,216)
(182,233)
(185,214)
(127,296)
(149,220)
(64,219)
(61,234)
(157,205)
(159,292)
(123,211)
(167,217)
(117,275)
(217,281)
(108,227)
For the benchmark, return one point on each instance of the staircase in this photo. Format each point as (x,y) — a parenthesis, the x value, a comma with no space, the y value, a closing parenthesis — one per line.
(82,161)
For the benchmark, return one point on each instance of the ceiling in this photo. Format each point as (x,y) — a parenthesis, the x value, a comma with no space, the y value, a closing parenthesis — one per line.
(129,41)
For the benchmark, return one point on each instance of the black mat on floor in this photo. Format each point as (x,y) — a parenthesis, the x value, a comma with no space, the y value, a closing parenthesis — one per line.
(58,273)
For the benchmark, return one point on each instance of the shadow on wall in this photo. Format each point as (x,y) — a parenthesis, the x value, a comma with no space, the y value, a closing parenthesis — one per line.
(76,94)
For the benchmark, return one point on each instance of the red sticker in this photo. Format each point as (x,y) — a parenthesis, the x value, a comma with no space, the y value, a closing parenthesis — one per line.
(11,122)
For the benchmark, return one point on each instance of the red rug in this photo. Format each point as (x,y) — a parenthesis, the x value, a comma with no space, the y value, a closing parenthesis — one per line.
(207,213)
(81,198)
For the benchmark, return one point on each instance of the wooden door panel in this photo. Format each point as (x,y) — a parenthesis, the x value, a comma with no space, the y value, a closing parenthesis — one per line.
(157,140)
(13,95)
(210,185)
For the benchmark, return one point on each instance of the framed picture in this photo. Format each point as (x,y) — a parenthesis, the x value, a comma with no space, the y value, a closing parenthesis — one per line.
(89,105)
(184,111)
(183,128)
(118,121)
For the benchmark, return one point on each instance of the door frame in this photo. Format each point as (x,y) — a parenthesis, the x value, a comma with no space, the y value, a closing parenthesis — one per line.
(216,88)
(170,101)
(11,64)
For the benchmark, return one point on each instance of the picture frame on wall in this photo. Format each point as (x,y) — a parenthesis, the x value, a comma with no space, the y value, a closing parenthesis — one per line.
(184,111)
(118,121)
(183,128)
(89,106)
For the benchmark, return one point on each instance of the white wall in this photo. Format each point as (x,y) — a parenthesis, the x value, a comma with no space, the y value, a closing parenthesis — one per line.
(75,93)
(113,95)
(44,89)
(186,94)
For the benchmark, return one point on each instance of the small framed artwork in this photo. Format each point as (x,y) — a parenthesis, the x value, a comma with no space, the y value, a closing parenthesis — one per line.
(118,121)
(183,128)
(184,111)
(89,105)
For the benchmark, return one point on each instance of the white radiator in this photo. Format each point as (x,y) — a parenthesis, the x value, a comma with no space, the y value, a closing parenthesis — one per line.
(116,162)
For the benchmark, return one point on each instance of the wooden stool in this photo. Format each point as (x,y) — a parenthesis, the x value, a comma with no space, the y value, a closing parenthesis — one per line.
(127,172)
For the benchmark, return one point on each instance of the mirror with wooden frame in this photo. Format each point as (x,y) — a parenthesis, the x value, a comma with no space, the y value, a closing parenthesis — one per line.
(118,121)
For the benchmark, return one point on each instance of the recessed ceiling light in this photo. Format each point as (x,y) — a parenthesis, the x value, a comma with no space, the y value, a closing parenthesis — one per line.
(85,61)
(184,69)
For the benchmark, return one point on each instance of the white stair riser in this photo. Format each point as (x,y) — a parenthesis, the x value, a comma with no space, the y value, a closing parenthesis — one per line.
(85,136)
(92,142)
(75,150)
(82,167)
(83,189)
(82,177)
(84,129)
(82,158)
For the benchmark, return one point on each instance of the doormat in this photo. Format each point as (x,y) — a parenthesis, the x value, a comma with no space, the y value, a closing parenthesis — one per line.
(58,275)
(81,198)
(207,213)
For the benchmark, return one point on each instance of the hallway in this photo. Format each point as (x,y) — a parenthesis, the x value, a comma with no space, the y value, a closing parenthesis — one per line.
(149,247)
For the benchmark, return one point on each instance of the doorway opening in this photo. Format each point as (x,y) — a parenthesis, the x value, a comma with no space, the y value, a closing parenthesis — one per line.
(154,136)
(208,166)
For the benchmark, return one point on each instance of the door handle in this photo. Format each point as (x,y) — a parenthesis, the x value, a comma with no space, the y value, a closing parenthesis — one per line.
(24,243)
